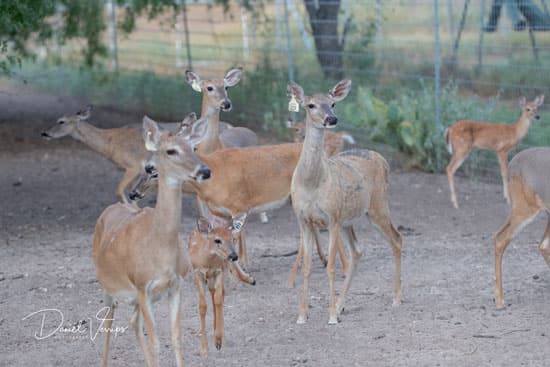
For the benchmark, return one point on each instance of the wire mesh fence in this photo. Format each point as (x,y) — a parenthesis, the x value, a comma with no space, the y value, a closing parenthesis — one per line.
(417,66)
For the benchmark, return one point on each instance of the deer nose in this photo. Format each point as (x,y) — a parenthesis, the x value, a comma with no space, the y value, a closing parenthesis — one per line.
(537,117)
(204,173)
(45,135)
(331,120)
(226,105)
(149,169)
(133,196)
(233,256)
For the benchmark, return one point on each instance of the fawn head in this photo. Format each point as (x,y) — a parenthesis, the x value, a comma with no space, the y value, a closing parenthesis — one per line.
(65,125)
(215,90)
(173,154)
(319,107)
(529,110)
(298,130)
(218,236)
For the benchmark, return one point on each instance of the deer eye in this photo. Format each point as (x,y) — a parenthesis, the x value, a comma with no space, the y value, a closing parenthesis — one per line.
(218,241)
(332,105)
(528,109)
(172,152)
(311,105)
(210,89)
(61,122)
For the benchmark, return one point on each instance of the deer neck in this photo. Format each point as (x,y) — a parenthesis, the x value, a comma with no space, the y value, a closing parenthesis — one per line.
(167,214)
(311,168)
(522,126)
(211,140)
(94,137)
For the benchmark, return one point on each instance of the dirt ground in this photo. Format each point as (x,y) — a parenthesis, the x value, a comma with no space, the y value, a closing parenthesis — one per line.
(52,193)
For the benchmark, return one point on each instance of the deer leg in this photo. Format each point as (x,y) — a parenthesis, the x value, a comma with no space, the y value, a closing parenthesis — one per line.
(145,307)
(379,215)
(348,236)
(334,239)
(343,256)
(243,254)
(306,234)
(296,264)
(174,299)
(137,323)
(520,214)
(545,244)
(217,299)
(241,274)
(202,312)
(319,248)
(108,324)
(459,155)
(502,160)
(129,176)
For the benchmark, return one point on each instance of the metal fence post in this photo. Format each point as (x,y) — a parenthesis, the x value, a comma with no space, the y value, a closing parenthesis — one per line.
(179,38)
(480,43)
(186,30)
(288,44)
(437,81)
(112,27)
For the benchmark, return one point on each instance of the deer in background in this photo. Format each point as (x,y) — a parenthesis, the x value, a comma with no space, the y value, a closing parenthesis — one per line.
(334,141)
(122,146)
(211,249)
(529,195)
(465,135)
(138,254)
(329,192)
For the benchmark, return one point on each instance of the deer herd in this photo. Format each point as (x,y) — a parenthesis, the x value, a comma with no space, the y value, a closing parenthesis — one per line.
(140,256)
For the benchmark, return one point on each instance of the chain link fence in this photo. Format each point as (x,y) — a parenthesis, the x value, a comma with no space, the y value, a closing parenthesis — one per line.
(417,65)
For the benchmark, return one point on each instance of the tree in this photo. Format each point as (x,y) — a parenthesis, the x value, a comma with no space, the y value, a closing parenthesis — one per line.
(323,18)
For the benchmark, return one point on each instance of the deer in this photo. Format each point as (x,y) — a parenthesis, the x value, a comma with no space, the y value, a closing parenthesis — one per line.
(334,141)
(138,253)
(244,180)
(211,250)
(465,135)
(529,195)
(122,146)
(329,192)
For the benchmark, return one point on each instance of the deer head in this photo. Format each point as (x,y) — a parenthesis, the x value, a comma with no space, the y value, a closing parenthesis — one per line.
(215,90)
(66,125)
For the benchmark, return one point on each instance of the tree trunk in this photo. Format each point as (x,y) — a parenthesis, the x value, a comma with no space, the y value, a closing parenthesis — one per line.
(323,18)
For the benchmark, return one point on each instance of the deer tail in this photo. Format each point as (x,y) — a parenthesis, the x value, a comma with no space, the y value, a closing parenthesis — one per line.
(448,142)
(348,138)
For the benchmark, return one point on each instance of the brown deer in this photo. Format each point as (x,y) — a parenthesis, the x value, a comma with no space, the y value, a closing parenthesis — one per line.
(465,135)
(529,195)
(329,192)
(138,254)
(122,146)
(243,180)
(211,249)
(334,141)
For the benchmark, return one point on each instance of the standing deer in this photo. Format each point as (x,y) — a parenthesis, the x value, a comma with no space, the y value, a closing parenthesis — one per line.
(244,180)
(122,146)
(211,249)
(138,254)
(330,192)
(334,141)
(465,135)
(529,194)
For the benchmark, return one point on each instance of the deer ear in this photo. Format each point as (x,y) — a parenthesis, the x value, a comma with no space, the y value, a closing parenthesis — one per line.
(187,122)
(238,223)
(539,100)
(232,77)
(522,102)
(85,113)
(193,79)
(340,90)
(295,90)
(203,225)
(151,134)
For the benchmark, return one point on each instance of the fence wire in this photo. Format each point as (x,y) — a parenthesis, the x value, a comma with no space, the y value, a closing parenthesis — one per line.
(493,51)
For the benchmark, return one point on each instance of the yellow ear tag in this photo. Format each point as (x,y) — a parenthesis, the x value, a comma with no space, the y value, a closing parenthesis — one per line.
(196,86)
(293,105)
